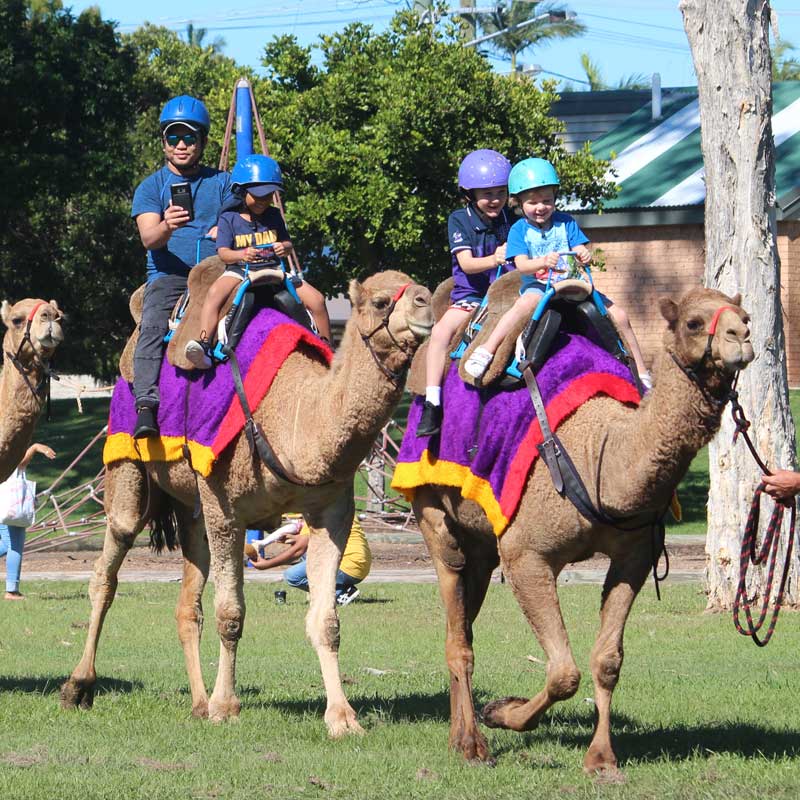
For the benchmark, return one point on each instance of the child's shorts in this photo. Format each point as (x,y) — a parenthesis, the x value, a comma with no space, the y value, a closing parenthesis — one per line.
(468,304)
(541,287)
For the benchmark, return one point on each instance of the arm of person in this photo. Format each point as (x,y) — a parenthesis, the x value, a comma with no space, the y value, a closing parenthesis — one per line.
(782,485)
(289,555)
(538,266)
(282,249)
(230,256)
(155,231)
(578,241)
(471,264)
(35,448)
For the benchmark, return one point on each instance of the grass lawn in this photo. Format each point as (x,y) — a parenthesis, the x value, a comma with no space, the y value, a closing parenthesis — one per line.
(700,713)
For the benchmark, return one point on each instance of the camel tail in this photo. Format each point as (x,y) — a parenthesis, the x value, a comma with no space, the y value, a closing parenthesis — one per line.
(164,531)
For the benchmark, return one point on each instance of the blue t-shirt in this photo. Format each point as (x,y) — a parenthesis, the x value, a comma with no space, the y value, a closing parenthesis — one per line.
(525,239)
(466,230)
(211,194)
(267,228)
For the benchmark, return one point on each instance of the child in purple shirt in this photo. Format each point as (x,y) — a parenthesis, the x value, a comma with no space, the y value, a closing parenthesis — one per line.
(477,235)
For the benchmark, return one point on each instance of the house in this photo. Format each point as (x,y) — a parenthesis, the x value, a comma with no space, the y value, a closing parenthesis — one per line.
(652,234)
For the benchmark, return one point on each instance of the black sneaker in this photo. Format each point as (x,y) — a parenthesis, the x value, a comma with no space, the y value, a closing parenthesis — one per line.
(431,421)
(146,424)
(347,596)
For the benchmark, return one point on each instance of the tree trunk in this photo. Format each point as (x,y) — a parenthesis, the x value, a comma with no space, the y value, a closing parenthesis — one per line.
(729,40)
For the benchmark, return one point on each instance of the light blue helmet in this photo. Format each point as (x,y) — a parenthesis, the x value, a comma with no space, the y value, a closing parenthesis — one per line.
(188,111)
(259,175)
(531,173)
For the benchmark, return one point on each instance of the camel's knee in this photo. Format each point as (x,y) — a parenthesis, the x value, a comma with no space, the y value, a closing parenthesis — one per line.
(230,623)
(189,619)
(460,660)
(563,681)
(606,668)
(323,630)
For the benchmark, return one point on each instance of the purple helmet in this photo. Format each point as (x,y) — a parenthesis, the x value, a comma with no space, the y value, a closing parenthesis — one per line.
(483,169)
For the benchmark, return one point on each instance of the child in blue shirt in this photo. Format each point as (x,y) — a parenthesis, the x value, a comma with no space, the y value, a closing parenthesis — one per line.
(534,243)
(477,235)
(241,236)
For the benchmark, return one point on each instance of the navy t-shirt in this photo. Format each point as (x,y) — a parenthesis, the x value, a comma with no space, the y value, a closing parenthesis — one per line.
(466,230)
(211,194)
(237,233)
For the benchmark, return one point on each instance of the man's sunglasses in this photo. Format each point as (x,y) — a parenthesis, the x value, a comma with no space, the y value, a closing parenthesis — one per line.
(188,139)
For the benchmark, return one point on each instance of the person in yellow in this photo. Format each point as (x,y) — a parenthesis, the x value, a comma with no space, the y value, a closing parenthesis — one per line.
(354,567)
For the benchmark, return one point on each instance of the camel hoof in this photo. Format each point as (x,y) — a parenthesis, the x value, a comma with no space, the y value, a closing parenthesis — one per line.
(493,715)
(200,710)
(77,694)
(604,765)
(227,711)
(473,747)
(341,722)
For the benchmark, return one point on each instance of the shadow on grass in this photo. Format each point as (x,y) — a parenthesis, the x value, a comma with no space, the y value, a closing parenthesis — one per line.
(50,684)
(403,708)
(635,743)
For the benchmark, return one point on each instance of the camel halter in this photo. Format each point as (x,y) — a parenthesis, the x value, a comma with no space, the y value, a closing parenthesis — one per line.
(36,361)
(395,377)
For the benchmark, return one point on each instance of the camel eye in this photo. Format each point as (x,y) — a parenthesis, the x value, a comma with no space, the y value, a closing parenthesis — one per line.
(17,321)
(695,324)
(381,303)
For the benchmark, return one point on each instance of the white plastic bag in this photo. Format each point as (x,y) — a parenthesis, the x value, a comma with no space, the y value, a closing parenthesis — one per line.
(17,496)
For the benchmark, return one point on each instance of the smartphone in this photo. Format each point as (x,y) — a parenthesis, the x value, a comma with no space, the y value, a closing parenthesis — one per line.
(182,196)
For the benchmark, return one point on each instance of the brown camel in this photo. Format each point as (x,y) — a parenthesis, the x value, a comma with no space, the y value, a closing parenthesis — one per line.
(321,423)
(632,460)
(34,332)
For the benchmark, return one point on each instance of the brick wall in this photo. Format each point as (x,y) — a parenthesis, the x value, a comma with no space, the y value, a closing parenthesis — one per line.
(645,263)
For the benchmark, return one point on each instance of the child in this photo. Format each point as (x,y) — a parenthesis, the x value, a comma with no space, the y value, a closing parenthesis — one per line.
(256,222)
(534,244)
(477,234)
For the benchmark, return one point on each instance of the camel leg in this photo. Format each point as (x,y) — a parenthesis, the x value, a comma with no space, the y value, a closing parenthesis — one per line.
(125,508)
(624,580)
(189,611)
(533,581)
(464,572)
(227,564)
(329,532)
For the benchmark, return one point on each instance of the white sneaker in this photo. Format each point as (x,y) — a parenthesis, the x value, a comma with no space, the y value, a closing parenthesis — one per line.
(647,380)
(197,355)
(478,362)
(347,596)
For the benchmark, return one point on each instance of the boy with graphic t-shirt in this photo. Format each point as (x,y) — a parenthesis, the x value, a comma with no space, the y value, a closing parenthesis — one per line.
(254,236)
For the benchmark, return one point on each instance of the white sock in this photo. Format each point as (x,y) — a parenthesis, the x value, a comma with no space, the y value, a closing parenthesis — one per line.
(433,394)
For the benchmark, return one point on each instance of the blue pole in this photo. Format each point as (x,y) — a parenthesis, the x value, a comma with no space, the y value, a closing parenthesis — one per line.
(244,120)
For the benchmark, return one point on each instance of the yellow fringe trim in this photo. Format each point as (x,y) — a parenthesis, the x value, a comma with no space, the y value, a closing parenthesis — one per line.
(407,477)
(122,446)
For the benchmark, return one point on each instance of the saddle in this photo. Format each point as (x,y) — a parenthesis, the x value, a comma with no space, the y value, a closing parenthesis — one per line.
(266,290)
(571,308)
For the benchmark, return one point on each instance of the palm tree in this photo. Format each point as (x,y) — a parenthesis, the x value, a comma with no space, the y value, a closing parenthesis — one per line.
(597,84)
(553,23)
(195,37)
(783,67)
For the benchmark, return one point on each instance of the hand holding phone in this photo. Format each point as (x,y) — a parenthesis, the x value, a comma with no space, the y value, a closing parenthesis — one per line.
(181,194)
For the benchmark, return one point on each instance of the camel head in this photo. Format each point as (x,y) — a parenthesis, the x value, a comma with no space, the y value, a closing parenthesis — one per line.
(40,320)
(708,329)
(392,312)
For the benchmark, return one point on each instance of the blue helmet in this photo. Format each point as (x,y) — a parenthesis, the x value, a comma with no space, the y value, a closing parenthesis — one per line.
(531,173)
(188,111)
(259,175)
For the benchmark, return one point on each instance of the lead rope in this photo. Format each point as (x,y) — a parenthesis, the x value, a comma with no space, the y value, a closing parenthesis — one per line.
(768,553)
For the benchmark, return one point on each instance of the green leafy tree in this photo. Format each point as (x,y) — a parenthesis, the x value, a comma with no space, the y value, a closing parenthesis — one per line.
(597,82)
(196,36)
(784,68)
(553,23)
(65,91)
(370,143)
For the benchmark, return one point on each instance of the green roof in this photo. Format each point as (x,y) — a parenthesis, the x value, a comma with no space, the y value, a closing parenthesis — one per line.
(659,163)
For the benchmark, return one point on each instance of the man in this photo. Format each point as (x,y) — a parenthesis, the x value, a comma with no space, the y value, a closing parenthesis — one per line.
(175,239)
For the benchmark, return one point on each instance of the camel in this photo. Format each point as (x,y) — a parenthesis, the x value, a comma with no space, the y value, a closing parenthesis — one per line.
(34,332)
(321,421)
(631,460)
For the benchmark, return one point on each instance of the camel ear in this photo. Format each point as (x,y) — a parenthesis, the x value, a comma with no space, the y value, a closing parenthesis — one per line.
(357,294)
(5,312)
(54,304)
(737,299)
(669,309)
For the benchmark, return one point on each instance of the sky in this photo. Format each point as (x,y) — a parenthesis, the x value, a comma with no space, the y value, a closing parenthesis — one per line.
(623,38)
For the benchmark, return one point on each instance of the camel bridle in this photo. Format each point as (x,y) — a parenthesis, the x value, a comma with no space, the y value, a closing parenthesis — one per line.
(395,376)
(42,387)
(693,373)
